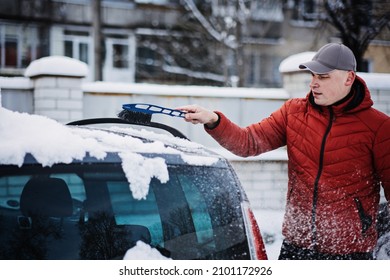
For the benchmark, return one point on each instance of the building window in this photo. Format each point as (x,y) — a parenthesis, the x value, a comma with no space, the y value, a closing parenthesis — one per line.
(77,45)
(304,10)
(17,46)
(83,52)
(268,10)
(68,48)
(11,52)
(120,53)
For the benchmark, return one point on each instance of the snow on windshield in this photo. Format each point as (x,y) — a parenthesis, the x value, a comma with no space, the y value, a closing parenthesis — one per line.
(50,142)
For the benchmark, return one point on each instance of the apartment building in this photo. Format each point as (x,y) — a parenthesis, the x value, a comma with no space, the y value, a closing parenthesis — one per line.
(215,42)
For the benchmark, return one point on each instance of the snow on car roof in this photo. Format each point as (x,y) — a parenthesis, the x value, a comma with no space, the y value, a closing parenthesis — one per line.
(51,142)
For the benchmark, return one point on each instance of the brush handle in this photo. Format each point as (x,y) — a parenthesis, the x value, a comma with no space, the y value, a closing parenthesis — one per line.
(153,109)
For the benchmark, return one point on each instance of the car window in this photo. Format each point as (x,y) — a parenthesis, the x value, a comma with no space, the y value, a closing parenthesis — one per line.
(87,211)
(130,211)
(199,209)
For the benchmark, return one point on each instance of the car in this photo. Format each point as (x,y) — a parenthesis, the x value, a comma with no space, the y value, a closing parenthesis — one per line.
(382,248)
(103,188)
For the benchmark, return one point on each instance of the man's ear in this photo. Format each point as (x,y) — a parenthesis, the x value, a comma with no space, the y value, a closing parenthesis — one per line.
(350,78)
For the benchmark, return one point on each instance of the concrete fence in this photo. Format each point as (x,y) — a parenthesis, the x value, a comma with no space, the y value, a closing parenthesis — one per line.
(55,87)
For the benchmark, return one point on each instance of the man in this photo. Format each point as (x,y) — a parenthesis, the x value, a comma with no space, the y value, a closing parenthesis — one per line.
(339,155)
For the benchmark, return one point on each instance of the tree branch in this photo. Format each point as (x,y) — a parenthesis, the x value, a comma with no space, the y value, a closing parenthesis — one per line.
(220,37)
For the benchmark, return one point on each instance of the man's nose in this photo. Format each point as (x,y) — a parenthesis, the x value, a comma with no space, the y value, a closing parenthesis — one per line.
(313,83)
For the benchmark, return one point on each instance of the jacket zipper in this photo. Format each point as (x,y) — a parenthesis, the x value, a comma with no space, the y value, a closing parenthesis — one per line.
(315,190)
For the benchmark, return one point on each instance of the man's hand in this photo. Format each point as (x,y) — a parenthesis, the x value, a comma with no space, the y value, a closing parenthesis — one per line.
(196,114)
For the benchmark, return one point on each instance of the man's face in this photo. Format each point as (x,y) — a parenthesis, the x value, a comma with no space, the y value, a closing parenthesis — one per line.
(331,87)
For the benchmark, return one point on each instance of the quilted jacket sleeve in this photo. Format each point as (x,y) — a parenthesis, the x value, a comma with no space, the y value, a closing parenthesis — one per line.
(382,156)
(257,138)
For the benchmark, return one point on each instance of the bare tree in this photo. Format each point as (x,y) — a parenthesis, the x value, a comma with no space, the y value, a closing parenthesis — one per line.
(178,55)
(225,27)
(207,44)
(358,23)
(226,22)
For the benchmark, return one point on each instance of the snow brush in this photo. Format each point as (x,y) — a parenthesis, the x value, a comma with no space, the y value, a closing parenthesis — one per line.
(142,112)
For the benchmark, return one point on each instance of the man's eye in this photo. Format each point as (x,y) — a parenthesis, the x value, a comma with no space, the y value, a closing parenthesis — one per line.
(319,76)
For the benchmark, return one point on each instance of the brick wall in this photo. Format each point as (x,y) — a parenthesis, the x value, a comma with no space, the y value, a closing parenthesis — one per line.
(60,98)
(265,182)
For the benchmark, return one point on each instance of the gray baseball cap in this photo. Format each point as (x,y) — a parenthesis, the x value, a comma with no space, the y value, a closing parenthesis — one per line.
(330,57)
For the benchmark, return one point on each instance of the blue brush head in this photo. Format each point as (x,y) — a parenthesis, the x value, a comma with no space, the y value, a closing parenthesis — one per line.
(153,109)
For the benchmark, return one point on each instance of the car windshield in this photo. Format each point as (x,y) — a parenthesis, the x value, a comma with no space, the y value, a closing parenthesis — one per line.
(87,211)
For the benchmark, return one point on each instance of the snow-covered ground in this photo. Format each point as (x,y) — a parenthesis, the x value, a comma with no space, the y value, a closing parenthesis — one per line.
(270,223)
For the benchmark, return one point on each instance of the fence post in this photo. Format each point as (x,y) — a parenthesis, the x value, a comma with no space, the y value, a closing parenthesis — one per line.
(57,82)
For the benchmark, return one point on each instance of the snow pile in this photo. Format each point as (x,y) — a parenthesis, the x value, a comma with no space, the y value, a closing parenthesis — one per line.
(185,90)
(139,171)
(57,65)
(50,142)
(47,140)
(143,251)
(291,63)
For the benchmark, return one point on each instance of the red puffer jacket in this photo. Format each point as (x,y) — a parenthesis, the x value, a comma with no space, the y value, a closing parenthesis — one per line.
(338,158)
